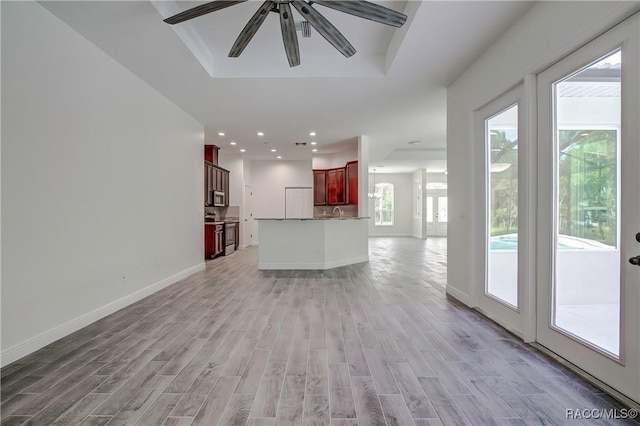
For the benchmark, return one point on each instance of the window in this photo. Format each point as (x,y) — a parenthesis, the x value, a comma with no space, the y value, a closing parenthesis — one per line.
(384,204)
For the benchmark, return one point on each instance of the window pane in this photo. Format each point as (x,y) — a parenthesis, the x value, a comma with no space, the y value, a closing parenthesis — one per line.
(586,302)
(502,134)
(384,204)
(442,209)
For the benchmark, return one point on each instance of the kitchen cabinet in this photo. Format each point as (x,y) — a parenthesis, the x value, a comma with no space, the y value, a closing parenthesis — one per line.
(215,179)
(319,187)
(213,240)
(218,181)
(352,182)
(211,154)
(218,240)
(336,186)
(225,187)
(208,241)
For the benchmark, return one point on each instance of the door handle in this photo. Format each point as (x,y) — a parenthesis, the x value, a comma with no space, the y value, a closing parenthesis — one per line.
(635,260)
(638,237)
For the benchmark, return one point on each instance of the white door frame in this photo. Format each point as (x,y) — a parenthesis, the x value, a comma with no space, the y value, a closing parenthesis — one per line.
(436,228)
(520,321)
(622,375)
(248,222)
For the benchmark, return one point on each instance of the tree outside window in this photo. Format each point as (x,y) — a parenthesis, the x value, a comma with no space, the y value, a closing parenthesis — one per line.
(384,204)
(587,189)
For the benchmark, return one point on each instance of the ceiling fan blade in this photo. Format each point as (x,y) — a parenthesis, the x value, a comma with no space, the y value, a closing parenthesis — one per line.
(289,36)
(324,27)
(250,29)
(367,10)
(194,12)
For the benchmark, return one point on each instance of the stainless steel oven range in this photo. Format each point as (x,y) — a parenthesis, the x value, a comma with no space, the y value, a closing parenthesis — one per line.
(229,238)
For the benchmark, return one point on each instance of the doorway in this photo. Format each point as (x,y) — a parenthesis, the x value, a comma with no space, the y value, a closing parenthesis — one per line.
(436,211)
(588,297)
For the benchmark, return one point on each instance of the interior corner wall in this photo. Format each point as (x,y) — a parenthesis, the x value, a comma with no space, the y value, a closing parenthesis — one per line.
(402,202)
(101,183)
(545,34)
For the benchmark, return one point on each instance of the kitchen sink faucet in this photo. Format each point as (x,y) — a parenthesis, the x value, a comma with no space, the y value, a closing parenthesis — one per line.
(339,211)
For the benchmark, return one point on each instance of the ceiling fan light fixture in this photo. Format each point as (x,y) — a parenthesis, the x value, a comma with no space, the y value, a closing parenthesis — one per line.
(312,18)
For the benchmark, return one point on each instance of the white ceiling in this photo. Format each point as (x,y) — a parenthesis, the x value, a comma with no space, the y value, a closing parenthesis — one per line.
(393,90)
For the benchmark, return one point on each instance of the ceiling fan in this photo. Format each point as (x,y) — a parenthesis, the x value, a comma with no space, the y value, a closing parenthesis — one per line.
(360,8)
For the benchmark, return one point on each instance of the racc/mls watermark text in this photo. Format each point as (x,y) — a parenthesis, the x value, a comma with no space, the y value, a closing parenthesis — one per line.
(601,413)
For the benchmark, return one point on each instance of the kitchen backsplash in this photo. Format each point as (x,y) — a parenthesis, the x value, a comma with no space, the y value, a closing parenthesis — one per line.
(223,212)
(233,211)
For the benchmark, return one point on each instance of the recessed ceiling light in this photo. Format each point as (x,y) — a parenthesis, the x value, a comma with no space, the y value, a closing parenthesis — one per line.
(243,150)
(584,134)
(260,134)
(220,133)
(232,143)
(314,150)
(312,133)
(273,150)
(414,142)
(279,157)
(314,143)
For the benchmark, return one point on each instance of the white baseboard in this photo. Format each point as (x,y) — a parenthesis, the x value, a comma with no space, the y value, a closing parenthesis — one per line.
(457,294)
(32,344)
(398,234)
(314,265)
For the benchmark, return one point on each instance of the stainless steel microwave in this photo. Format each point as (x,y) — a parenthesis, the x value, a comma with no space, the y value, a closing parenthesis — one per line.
(218,198)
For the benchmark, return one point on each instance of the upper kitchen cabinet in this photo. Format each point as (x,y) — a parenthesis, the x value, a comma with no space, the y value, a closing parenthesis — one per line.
(352,182)
(319,187)
(336,186)
(216,179)
(211,154)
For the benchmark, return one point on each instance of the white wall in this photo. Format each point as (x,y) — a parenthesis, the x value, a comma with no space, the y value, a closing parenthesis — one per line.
(403,217)
(269,180)
(338,159)
(548,32)
(235,164)
(101,183)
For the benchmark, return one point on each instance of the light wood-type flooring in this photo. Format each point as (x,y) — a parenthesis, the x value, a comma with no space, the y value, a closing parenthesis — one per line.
(375,343)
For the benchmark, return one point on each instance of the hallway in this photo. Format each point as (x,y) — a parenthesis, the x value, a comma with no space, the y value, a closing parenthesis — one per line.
(373,343)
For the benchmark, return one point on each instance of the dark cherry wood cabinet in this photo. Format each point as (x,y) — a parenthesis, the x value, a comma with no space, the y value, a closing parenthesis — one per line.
(218,238)
(224,185)
(336,186)
(213,240)
(208,241)
(352,182)
(215,179)
(211,154)
(319,187)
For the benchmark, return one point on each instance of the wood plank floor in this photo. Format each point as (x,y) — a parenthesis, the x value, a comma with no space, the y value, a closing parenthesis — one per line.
(370,344)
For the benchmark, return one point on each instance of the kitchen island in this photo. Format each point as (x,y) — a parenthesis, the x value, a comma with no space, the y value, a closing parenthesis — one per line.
(312,243)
